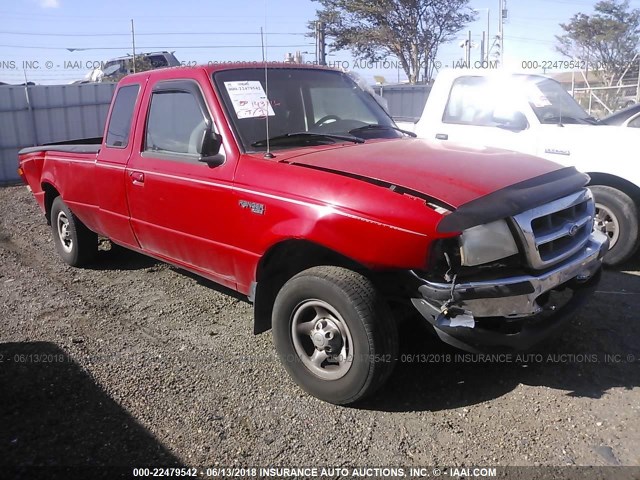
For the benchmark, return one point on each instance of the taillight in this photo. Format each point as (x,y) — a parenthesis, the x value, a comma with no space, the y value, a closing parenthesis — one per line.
(21,173)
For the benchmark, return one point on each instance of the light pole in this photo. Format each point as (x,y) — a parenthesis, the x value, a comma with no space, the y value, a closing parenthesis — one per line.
(485,43)
(467,45)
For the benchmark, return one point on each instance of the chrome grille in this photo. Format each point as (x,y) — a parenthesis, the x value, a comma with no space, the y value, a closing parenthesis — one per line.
(557,230)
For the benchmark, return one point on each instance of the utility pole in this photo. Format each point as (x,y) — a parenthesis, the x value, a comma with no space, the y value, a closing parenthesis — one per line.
(503,15)
(466,44)
(487,42)
(638,84)
(133,43)
(32,115)
(321,46)
(487,47)
(317,36)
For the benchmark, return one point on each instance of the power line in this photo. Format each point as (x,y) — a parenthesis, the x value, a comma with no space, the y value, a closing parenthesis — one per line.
(526,19)
(534,40)
(172,47)
(144,34)
(46,15)
(587,3)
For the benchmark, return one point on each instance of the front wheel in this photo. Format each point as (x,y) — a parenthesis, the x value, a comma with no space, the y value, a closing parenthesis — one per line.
(334,334)
(76,244)
(616,217)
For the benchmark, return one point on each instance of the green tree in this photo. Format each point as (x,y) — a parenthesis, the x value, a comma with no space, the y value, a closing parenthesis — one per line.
(607,39)
(411,30)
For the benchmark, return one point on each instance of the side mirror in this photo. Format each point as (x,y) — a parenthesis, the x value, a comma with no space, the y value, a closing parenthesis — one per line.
(210,148)
(516,121)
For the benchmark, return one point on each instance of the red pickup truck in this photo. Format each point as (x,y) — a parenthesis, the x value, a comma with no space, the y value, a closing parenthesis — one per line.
(294,187)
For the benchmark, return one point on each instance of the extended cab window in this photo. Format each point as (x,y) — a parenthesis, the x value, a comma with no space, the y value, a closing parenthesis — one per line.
(176,123)
(121,115)
(468,103)
(480,101)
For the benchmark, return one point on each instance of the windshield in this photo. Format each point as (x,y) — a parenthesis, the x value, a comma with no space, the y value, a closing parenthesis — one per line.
(305,107)
(552,103)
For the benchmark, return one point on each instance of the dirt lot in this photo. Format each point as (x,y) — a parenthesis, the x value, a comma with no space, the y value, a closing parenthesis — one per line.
(136,362)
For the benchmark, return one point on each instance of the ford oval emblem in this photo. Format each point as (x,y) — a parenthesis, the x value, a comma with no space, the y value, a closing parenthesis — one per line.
(573,231)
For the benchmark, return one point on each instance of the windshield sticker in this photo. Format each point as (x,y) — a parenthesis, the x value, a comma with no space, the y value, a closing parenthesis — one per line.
(537,98)
(249,99)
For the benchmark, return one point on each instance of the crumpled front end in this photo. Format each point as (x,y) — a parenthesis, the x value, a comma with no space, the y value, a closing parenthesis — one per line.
(553,261)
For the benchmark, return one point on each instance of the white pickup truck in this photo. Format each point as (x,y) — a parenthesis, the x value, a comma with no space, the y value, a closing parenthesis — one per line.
(534,114)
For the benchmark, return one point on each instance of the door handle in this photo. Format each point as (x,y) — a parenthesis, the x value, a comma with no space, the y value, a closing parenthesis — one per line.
(137,177)
(442,136)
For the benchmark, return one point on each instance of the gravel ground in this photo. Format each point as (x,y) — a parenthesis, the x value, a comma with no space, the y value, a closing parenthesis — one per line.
(136,362)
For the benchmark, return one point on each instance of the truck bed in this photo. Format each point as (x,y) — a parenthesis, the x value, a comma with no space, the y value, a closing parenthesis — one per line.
(82,145)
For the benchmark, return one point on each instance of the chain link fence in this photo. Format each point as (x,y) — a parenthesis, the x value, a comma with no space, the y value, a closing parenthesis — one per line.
(601,101)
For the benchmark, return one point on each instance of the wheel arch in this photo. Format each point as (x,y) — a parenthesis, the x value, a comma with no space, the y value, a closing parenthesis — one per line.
(281,262)
(50,194)
(608,180)
(624,206)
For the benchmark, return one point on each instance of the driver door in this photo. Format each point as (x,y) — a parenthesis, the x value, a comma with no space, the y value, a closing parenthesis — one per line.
(181,207)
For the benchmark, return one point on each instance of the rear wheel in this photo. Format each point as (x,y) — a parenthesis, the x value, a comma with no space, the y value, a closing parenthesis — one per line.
(76,244)
(334,334)
(616,217)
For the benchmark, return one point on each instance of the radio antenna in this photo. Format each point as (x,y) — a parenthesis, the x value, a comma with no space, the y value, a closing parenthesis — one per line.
(268,153)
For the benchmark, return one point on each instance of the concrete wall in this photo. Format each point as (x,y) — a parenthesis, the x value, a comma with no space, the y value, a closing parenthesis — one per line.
(40,114)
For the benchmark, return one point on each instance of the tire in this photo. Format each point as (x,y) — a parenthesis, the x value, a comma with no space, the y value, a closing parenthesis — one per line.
(344,312)
(617,217)
(76,244)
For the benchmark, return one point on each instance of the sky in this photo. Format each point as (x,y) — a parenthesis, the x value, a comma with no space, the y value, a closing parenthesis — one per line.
(36,35)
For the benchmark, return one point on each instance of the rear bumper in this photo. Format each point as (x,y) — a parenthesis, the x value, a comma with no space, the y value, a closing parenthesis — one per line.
(514,312)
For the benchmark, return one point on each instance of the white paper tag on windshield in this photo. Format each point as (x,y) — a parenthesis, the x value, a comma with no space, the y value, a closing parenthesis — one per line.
(249,99)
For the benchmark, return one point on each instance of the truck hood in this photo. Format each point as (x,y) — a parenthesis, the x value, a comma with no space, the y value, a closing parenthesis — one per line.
(450,174)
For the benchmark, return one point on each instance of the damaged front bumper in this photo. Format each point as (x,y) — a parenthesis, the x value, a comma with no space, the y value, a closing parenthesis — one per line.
(514,312)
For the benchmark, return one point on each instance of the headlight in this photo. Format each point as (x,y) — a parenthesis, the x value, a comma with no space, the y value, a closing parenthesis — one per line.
(486,243)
